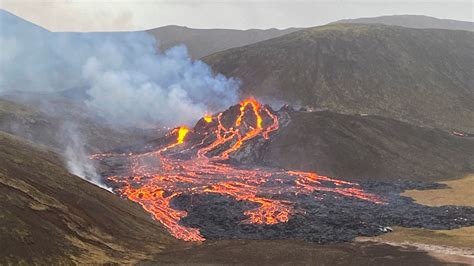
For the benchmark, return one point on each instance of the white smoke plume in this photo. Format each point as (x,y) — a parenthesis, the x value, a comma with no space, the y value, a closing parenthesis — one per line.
(77,160)
(122,77)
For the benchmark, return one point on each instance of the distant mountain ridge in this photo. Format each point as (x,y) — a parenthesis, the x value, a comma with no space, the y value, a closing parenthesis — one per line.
(202,42)
(199,42)
(424,76)
(414,21)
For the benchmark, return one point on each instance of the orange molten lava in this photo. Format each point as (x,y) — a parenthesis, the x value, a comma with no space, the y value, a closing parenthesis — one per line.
(208,118)
(182,132)
(154,187)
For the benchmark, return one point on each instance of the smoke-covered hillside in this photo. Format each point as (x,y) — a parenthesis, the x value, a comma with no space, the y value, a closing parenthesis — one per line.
(84,92)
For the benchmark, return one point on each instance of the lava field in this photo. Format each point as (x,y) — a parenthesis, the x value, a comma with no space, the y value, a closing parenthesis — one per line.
(207,183)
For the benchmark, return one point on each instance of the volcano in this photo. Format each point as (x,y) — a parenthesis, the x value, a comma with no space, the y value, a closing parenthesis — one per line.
(211,182)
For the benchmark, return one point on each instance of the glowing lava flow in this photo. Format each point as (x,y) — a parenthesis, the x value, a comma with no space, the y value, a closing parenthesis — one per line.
(207,118)
(159,176)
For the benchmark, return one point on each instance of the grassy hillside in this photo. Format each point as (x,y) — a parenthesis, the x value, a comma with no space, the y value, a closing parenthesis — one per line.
(418,75)
(415,21)
(202,42)
(50,216)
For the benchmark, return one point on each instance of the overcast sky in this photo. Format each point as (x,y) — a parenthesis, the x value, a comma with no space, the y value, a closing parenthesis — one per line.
(113,15)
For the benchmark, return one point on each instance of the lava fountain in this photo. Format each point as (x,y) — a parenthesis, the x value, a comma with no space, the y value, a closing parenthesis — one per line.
(199,161)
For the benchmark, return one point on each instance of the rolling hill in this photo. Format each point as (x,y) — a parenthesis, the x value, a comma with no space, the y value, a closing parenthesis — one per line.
(353,147)
(414,21)
(423,76)
(50,216)
(202,42)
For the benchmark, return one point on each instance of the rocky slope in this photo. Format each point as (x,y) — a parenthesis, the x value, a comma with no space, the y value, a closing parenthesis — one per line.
(424,76)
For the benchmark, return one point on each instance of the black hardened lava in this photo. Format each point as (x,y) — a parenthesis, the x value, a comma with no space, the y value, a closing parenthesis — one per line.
(330,219)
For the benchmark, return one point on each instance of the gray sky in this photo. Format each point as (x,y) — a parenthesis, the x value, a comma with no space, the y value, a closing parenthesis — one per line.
(113,15)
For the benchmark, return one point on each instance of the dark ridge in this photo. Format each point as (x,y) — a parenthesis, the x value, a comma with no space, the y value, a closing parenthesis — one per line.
(414,21)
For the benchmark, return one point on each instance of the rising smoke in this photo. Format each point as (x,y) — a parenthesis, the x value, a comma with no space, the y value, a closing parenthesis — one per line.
(77,160)
(122,77)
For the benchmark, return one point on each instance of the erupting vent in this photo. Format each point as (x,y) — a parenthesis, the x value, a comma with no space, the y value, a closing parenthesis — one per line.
(198,162)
